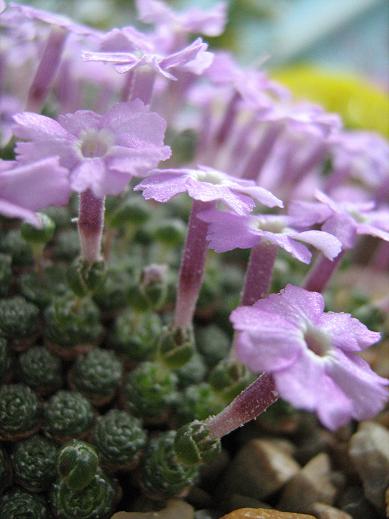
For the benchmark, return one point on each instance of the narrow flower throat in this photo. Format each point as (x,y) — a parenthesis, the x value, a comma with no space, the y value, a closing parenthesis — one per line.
(95,143)
(317,341)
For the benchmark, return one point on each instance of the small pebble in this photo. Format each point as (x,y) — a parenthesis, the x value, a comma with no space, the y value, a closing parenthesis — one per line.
(369,452)
(260,468)
(312,484)
(261,513)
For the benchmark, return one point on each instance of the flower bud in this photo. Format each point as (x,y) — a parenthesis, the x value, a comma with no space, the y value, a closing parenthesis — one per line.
(229,378)
(39,235)
(193,444)
(84,277)
(153,284)
(176,346)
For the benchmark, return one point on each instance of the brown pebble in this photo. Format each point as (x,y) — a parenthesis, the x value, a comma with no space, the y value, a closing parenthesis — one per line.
(259,469)
(369,452)
(323,511)
(312,484)
(175,509)
(262,513)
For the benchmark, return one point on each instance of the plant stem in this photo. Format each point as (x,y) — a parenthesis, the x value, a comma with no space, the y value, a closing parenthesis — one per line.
(259,272)
(47,69)
(192,266)
(261,153)
(142,84)
(249,404)
(321,272)
(90,226)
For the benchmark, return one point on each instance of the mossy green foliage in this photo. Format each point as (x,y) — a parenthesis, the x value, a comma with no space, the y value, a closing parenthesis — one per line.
(34,463)
(97,373)
(19,318)
(67,414)
(119,438)
(40,369)
(19,411)
(70,321)
(20,504)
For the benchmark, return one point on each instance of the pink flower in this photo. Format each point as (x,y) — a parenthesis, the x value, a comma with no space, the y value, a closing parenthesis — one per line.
(312,355)
(102,152)
(227,231)
(129,49)
(206,185)
(57,20)
(345,220)
(210,22)
(26,188)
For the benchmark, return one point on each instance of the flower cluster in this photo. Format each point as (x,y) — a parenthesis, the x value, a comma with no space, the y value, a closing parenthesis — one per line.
(262,171)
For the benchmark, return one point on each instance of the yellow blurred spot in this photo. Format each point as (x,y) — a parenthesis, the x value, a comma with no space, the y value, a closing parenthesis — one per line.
(361,104)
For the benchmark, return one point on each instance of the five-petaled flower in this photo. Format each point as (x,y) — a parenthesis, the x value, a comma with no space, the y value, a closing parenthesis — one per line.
(227,231)
(312,355)
(206,185)
(101,152)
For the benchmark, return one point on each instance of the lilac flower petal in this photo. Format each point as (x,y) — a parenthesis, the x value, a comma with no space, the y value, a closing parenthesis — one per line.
(89,174)
(324,199)
(294,303)
(37,127)
(371,230)
(356,379)
(297,250)
(325,242)
(162,187)
(207,192)
(79,121)
(135,124)
(342,227)
(30,152)
(334,408)
(227,231)
(346,332)
(16,211)
(200,64)
(300,383)
(185,55)
(305,214)
(134,161)
(154,11)
(210,22)
(35,186)
(245,317)
(263,196)
(110,57)
(263,346)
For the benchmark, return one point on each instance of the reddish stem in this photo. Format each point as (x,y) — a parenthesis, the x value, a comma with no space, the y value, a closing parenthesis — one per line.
(192,266)
(321,273)
(90,226)
(47,69)
(259,272)
(249,404)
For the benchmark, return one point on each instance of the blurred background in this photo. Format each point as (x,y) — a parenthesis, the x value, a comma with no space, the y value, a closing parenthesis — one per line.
(335,52)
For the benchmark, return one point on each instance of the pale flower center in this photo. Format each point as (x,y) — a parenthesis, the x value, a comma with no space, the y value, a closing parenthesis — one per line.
(274,226)
(95,143)
(212,177)
(317,341)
